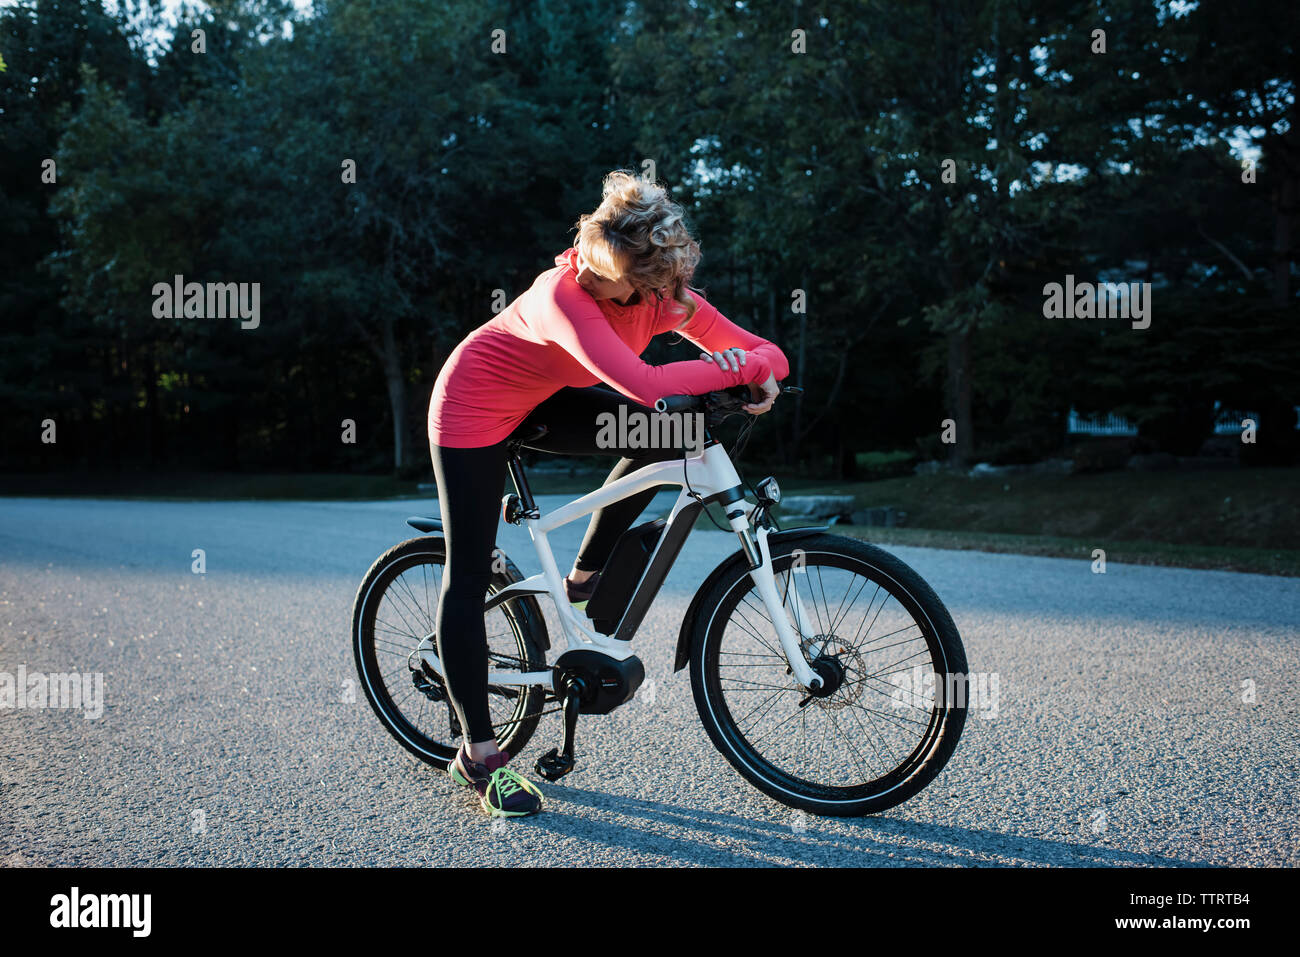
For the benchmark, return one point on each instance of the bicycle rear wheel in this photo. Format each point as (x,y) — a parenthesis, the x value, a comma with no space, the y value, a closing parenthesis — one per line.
(872,628)
(395,609)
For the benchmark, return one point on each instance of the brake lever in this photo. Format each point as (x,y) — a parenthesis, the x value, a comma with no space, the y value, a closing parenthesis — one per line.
(722,403)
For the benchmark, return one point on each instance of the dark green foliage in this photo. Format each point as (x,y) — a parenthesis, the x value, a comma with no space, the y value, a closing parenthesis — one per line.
(824,172)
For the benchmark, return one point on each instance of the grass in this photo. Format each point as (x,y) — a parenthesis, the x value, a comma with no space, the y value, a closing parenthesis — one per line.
(1259,560)
(1240,508)
(1280,561)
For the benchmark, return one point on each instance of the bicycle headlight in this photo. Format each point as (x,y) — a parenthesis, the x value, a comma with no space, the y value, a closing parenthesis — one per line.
(769,491)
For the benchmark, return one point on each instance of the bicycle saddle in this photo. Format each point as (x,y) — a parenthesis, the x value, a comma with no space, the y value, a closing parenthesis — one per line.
(525,433)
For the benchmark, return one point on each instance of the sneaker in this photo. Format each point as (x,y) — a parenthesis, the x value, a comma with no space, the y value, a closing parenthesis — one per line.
(579,595)
(502,792)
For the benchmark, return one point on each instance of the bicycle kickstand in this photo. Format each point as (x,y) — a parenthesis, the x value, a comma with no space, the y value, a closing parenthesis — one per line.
(553,765)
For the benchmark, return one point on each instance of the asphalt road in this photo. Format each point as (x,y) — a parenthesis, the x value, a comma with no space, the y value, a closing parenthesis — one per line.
(1146,716)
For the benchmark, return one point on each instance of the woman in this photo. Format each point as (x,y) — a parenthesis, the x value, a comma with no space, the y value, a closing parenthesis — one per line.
(584,322)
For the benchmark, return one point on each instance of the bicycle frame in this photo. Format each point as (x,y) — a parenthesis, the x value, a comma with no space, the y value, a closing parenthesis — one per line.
(713,477)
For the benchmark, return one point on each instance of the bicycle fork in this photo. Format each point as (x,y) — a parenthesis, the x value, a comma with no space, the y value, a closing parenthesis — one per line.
(760,570)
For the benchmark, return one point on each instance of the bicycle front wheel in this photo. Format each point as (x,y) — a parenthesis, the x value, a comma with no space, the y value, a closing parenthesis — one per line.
(879,730)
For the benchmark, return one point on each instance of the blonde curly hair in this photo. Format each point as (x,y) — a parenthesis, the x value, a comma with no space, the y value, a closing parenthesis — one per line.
(639,234)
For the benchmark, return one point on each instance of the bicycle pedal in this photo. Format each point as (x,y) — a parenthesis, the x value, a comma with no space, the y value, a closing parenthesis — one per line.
(552,765)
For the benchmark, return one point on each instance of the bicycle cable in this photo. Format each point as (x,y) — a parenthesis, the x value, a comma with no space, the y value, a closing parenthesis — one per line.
(742,439)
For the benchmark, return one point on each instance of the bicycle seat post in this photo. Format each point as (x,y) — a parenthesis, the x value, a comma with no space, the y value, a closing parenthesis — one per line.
(516,467)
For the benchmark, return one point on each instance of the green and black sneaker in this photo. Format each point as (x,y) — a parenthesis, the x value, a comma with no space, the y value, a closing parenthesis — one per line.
(502,792)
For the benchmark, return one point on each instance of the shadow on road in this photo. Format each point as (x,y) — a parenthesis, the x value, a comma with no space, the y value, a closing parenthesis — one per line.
(809,842)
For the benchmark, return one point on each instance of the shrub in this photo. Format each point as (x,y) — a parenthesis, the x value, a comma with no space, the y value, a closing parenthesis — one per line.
(1105,453)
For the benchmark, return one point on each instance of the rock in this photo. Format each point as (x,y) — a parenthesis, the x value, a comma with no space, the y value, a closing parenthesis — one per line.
(887,517)
(818,506)
(1045,467)
(795,521)
(1221,447)
(1102,454)
(987,470)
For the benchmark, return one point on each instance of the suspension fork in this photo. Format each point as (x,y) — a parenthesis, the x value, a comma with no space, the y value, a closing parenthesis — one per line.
(760,570)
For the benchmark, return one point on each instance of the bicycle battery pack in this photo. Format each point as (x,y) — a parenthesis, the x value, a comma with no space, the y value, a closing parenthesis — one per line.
(621,574)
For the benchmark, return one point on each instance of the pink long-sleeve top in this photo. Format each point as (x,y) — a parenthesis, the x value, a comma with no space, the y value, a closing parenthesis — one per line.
(557,335)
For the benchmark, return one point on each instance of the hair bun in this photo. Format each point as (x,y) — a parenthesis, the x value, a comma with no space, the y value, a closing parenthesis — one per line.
(640,232)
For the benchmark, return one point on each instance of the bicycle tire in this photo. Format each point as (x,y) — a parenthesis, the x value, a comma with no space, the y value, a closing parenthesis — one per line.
(914,596)
(523,615)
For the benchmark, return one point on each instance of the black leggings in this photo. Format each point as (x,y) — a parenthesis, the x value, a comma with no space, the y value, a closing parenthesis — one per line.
(470,485)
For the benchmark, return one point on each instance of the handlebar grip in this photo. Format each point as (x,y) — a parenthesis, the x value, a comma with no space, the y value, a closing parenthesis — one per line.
(677,403)
(728,399)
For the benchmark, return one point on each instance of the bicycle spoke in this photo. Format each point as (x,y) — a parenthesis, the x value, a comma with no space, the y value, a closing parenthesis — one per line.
(453,722)
(756,685)
(401,603)
(894,690)
(766,701)
(883,603)
(793,714)
(392,629)
(835,623)
(758,637)
(894,718)
(822,587)
(891,634)
(883,760)
(424,574)
(870,641)
(849,741)
(401,614)
(415,602)
(393,648)
(399,669)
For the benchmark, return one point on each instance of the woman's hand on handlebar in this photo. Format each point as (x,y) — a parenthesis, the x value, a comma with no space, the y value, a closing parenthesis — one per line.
(770,390)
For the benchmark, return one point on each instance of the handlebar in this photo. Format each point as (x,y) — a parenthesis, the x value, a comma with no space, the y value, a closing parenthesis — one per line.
(723,401)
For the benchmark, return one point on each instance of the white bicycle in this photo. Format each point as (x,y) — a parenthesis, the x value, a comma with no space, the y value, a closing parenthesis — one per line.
(796,680)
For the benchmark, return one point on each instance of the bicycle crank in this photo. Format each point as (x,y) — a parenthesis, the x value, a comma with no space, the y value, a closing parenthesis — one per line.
(553,765)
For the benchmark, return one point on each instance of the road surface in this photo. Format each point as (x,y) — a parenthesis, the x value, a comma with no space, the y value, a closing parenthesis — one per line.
(1145,716)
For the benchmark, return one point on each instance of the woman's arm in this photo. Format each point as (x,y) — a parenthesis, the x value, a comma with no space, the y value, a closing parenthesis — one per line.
(713,332)
(573,321)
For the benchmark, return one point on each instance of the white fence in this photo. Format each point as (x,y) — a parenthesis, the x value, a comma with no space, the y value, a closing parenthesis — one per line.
(1226,422)
(1105,425)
